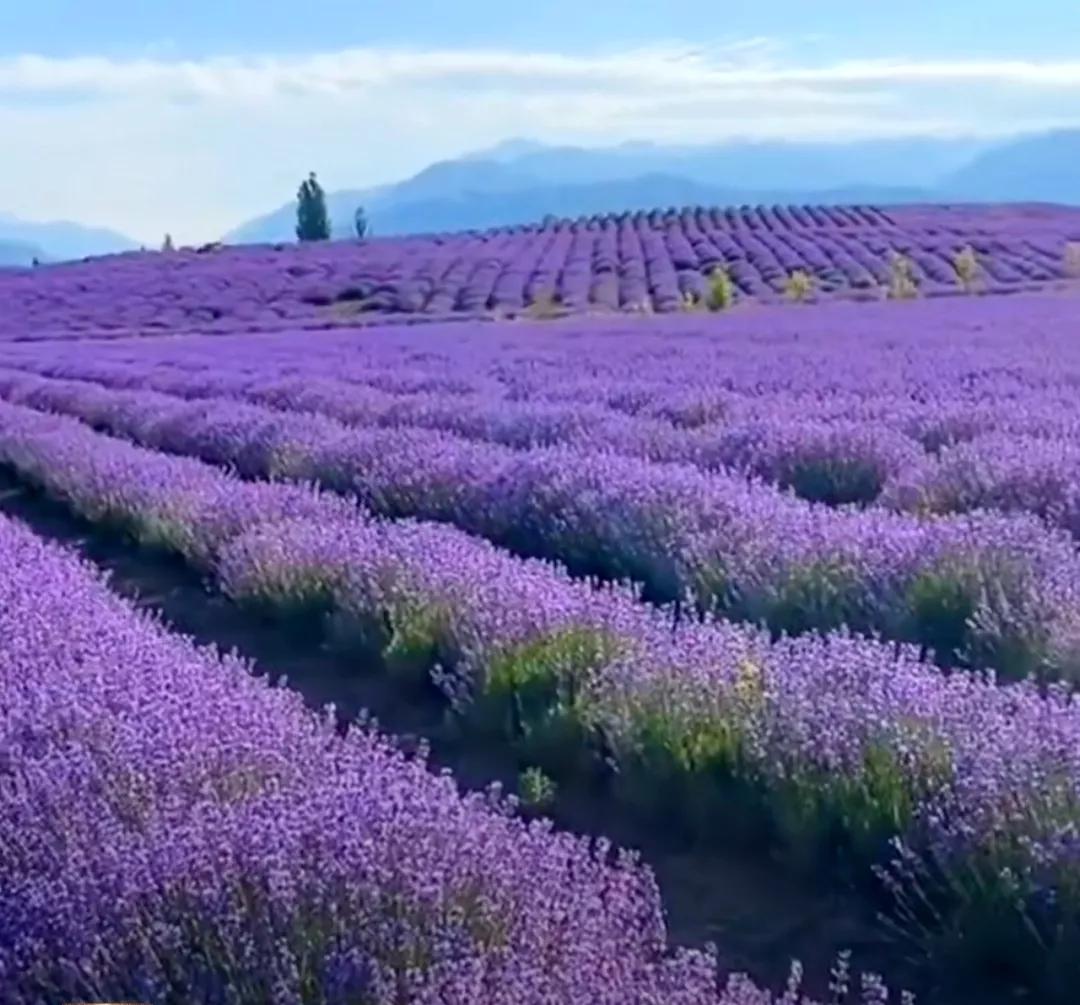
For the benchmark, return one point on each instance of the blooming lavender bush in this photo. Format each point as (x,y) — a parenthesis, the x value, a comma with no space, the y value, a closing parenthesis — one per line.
(175,829)
(833,746)
(732,547)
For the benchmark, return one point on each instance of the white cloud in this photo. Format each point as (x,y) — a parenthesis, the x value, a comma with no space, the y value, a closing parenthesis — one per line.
(751,63)
(155,144)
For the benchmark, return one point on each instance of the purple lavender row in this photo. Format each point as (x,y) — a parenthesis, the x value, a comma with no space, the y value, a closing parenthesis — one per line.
(835,462)
(812,738)
(982,590)
(833,445)
(609,263)
(1013,363)
(1003,471)
(706,418)
(763,351)
(173,828)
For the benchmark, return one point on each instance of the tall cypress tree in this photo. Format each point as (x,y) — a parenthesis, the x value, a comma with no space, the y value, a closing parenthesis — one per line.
(360,223)
(312,222)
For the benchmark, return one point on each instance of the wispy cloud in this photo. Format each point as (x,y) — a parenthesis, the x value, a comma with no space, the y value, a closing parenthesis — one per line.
(161,143)
(752,63)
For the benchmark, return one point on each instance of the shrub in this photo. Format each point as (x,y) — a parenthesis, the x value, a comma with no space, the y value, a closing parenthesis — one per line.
(536,790)
(1072,259)
(721,289)
(799,286)
(902,284)
(968,269)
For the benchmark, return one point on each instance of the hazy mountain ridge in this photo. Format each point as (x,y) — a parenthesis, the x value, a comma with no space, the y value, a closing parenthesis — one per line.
(1044,168)
(518,180)
(17,254)
(60,240)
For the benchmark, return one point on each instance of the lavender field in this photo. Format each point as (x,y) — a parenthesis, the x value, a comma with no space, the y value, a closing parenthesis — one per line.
(656,261)
(793,586)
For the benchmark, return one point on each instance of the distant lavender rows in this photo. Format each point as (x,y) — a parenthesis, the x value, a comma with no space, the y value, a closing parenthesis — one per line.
(940,456)
(981,590)
(972,351)
(173,828)
(608,263)
(840,405)
(841,743)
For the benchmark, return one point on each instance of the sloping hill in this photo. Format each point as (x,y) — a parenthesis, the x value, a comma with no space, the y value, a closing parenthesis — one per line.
(656,260)
(61,240)
(19,253)
(521,181)
(1043,168)
(455,196)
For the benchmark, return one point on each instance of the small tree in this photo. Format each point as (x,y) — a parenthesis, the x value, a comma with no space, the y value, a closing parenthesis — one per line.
(799,286)
(536,790)
(902,285)
(1072,259)
(360,223)
(167,244)
(721,289)
(968,269)
(312,223)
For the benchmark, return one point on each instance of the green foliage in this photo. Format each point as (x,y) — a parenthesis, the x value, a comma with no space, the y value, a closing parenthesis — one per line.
(835,481)
(972,612)
(902,284)
(300,592)
(721,289)
(421,637)
(536,790)
(799,286)
(360,223)
(689,764)
(968,269)
(534,693)
(940,605)
(819,596)
(312,222)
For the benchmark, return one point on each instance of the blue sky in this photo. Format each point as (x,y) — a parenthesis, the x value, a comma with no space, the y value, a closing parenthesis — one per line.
(943,28)
(192,115)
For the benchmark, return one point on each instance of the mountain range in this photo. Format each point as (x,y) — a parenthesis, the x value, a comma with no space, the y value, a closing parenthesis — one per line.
(23,240)
(19,253)
(521,180)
